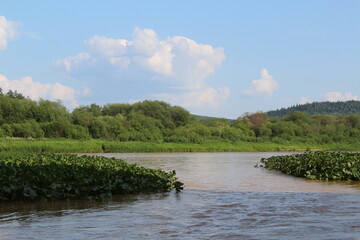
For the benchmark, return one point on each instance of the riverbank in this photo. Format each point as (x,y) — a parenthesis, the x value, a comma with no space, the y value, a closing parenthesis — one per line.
(101,146)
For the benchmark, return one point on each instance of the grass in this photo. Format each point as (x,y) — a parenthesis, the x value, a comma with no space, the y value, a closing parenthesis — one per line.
(100,146)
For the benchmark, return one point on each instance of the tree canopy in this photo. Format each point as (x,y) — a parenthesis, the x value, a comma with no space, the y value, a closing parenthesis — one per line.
(317,108)
(157,121)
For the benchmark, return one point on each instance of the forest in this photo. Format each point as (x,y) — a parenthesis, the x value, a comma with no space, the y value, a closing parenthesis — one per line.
(157,121)
(320,108)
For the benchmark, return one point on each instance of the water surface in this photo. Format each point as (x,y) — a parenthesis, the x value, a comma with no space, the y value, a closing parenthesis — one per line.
(231,171)
(225,198)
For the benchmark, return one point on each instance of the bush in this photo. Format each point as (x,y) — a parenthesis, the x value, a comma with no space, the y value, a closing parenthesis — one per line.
(29,129)
(78,132)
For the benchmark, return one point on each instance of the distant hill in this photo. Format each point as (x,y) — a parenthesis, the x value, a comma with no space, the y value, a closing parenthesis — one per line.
(327,108)
(200,118)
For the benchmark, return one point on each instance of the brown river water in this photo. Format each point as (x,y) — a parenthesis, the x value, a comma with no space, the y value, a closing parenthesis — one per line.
(225,197)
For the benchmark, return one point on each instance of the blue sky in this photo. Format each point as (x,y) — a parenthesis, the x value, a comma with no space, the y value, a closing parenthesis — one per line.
(216,58)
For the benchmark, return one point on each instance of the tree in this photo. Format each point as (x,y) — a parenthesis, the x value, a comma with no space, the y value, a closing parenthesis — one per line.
(299,118)
(114,109)
(180,116)
(144,128)
(156,109)
(258,119)
(28,129)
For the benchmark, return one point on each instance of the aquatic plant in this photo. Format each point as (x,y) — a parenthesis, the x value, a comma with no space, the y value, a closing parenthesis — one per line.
(64,176)
(322,165)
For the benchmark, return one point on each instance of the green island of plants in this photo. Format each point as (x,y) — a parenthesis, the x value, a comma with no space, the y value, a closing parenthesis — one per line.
(320,165)
(65,176)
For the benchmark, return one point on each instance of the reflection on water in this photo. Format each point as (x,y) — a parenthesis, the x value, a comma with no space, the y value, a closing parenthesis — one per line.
(225,198)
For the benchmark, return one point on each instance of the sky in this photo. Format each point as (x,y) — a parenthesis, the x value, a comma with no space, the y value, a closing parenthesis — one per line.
(214,58)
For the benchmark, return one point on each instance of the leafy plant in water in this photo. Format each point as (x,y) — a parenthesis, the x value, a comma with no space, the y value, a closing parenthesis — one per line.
(63,176)
(318,165)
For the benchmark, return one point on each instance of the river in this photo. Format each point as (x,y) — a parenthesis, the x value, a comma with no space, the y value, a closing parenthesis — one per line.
(225,197)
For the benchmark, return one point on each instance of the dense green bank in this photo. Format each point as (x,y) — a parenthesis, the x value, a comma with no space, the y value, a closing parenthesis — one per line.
(171,126)
(65,176)
(318,165)
(99,146)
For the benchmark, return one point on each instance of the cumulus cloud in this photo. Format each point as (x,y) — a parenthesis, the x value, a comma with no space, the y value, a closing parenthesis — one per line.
(264,86)
(177,62)
(337,96)
(304,100)
(37,90)
(8,31)
(69,63)
(208,97)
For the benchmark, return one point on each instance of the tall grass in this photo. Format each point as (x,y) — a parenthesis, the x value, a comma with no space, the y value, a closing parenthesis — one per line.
(93,146)
(48,145)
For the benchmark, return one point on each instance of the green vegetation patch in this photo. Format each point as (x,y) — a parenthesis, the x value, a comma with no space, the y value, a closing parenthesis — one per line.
(318,165)
(65,176)
(320,108)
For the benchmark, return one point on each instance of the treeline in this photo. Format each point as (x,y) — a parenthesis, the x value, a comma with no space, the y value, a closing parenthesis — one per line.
(320,108)
(143,121)
(157,121)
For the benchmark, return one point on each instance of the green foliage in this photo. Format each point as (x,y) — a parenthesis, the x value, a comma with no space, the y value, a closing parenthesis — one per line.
(14,110)
(144,128)
(28,129)
(63,176)
(114,109)
(48,111)
(191,133)
(157,110)
(317,108)
(157,121)
(21,145)
(318,165)
(180,116)
(206,119)
(77,132)
(299,118)
(283,129)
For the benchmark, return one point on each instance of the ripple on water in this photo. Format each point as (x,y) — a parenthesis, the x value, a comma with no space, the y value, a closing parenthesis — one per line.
(225,198)
(192,214)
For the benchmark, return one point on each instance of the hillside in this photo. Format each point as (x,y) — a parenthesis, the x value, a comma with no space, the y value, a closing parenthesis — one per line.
(206,119)
(326,108)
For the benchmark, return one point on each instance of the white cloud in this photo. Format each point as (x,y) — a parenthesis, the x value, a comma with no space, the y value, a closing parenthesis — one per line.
(194,62)
(337,96)
(37,90)
(206,97)
(100,45)
(69,63)
(304,100)
(264,86)
(8,31)
(151,53)
(177,62)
